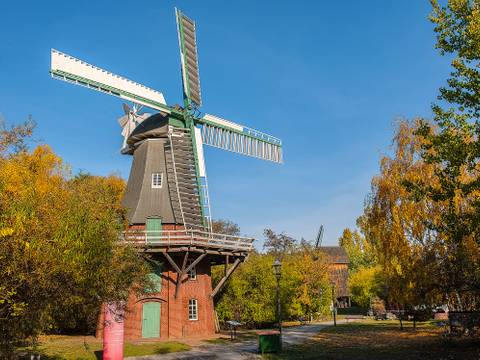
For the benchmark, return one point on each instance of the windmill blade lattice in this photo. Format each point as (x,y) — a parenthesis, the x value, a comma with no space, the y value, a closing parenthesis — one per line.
(226,135)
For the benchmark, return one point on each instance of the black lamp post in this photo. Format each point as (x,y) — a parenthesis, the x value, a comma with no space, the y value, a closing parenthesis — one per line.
(320,295)
(277,269)
(334,305)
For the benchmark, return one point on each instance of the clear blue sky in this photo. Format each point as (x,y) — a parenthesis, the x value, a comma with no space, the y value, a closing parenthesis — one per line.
(327,77)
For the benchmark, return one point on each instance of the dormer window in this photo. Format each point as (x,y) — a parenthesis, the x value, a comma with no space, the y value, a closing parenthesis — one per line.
(157,180)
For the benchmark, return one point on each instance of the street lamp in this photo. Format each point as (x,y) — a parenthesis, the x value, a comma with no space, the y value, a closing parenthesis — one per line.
(320,295)
(334,305)
(277,270)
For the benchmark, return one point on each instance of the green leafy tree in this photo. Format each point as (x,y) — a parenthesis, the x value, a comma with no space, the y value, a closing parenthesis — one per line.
(365,279)
(365,284)
(360,252)
(249,296)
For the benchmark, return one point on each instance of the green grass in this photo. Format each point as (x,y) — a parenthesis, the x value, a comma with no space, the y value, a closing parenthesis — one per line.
(378,340)
(88,348)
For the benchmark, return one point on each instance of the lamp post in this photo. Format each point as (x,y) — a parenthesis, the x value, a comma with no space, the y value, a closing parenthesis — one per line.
(320,295)
(334,305)
(277,269)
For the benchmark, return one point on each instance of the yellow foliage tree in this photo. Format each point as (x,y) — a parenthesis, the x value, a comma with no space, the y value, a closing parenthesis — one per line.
(59,251)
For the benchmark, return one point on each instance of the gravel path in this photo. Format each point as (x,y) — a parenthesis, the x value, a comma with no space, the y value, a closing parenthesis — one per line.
(247,349)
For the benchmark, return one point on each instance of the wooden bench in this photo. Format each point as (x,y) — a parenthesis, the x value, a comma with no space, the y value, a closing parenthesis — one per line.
(464,322)
(354,317)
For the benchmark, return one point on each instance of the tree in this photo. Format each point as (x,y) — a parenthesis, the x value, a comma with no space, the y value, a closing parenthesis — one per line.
(365,284)
(398,224)
(249,296)
(59,252)
(453,147)
(278,244)
(365,279)
(360,252)
(225,227)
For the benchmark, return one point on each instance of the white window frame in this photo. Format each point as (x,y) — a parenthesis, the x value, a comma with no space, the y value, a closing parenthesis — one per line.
(193,309)
(192,274)
(155,184)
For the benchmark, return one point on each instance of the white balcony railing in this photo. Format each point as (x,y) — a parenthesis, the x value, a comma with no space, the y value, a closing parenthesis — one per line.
(175,238)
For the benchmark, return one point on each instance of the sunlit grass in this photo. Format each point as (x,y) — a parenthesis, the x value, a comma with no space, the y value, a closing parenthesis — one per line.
(375,340)
(88,348)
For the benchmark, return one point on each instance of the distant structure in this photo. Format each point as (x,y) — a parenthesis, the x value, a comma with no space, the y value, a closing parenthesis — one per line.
(337,260)
(167,194)
(318,240)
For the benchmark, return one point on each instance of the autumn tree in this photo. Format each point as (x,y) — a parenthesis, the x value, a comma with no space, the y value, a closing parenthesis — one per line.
(453,147)
(59,252)
(397,224)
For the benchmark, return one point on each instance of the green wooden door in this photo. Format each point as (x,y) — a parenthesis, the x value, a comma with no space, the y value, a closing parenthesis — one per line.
(154,229)
(151,320)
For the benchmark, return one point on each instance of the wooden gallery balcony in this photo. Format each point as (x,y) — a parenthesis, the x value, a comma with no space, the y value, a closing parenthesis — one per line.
(189,240)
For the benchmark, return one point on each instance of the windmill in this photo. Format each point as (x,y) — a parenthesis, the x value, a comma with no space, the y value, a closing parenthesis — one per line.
(167,199)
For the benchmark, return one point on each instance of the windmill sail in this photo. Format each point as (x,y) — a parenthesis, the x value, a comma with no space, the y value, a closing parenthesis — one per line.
(230,136)
(67,68)
(187,41)
(318,240)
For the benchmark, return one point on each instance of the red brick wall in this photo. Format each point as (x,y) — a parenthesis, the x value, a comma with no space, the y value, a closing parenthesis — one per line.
(174,321)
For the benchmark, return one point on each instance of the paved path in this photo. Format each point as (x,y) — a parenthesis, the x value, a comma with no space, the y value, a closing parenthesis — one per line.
(246,349)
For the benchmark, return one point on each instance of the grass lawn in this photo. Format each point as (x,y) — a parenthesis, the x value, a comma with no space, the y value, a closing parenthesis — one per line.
(375,340)
(60,347)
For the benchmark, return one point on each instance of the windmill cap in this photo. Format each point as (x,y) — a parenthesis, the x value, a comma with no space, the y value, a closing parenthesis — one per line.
(156,126)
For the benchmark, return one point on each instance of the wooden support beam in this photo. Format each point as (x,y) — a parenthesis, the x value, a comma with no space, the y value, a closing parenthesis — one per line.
(221,284)
(193,264)
(170,260)
(227,259)
(185,258)
(180,274)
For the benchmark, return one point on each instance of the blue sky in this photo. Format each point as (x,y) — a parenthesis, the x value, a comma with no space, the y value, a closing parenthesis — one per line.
(329,78)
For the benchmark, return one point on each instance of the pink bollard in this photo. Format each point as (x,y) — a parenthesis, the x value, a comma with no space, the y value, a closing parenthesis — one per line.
(113,331)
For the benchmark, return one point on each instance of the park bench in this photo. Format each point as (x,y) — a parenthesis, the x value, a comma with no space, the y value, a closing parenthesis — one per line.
(233,325)
(302,320)
(353,317)
(464,322)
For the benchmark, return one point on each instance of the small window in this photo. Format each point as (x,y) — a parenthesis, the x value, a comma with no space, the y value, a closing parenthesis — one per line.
(192,309)
(192,274)
(157,180)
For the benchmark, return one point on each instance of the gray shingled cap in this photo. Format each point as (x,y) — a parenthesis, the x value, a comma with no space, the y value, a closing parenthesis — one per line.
(156,126)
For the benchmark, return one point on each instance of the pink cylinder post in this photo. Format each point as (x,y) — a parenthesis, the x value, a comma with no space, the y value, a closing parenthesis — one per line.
(113,331)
